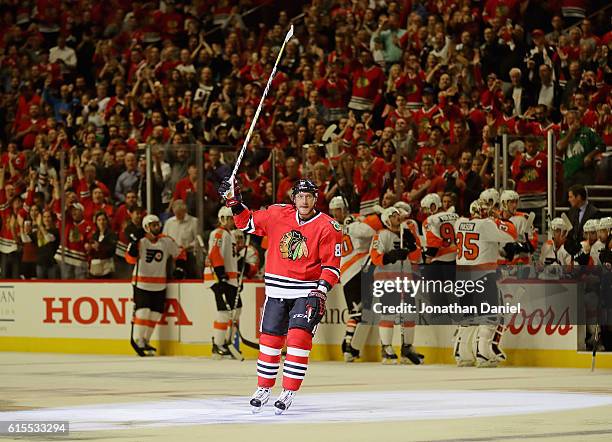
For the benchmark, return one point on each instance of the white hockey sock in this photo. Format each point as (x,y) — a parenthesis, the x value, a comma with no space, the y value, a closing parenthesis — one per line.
(408,333)
(154,318)
(385,330)
(141,323)
(220,327)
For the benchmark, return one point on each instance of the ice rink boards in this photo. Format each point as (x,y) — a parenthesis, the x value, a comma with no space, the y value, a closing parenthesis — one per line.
(179,399)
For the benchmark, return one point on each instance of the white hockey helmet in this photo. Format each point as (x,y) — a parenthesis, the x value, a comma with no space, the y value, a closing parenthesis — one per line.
(429,200)
(477,209)
(148,220)
(338,202)
(558,224)
(403,207)
(507,195)
(386,215)
(490,196)
(590,226)
(605,223)
(224,212)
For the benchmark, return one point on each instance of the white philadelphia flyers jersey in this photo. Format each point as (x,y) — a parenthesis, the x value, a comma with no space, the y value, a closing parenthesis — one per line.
(416,256)
(596,249)
(439,230)
(383,242)
(221,253)
(478,240)
(553,258)
(150,266)
(356,240)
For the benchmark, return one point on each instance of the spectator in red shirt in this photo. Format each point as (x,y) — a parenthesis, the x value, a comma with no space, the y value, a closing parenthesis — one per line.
(283,194)
(529,169)
(368,178)
(427,182)
(30,126)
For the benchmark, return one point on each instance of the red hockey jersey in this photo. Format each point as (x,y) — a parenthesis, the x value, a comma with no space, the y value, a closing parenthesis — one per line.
(300,254)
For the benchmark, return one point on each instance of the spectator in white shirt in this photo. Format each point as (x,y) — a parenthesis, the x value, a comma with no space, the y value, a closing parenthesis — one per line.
(183,228)
(64,54)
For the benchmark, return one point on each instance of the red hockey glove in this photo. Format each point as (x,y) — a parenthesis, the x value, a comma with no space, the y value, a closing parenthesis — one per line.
(315,305)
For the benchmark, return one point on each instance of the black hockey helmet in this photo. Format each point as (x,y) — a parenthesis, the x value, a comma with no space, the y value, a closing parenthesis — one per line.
(304,185)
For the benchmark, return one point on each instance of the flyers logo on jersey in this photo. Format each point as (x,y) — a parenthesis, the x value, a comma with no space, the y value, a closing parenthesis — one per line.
(293,246)
(154,254)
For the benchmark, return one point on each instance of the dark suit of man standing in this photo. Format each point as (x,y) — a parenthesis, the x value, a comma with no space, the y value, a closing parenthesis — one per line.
(580,212)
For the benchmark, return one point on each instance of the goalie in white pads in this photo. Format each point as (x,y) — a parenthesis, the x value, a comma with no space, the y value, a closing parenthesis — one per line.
(478,243)
(356,239)
(221,275)
(150,251)
(389,253)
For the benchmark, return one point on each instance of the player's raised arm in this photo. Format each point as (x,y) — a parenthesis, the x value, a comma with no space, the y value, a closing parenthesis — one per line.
(246,220)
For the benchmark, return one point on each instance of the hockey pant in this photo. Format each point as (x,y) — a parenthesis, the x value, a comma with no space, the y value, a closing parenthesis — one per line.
(225,298)
(148,309)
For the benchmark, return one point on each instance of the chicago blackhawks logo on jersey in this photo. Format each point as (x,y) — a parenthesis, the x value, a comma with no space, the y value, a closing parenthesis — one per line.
(293,246)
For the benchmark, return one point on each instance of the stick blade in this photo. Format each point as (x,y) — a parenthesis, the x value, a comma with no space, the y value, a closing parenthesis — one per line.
(568,223)
(289,33)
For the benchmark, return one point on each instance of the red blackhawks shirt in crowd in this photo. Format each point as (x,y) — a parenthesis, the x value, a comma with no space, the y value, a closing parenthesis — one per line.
(300,253)
(530,173)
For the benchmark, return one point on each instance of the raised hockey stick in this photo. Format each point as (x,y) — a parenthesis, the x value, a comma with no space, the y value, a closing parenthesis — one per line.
(247,139)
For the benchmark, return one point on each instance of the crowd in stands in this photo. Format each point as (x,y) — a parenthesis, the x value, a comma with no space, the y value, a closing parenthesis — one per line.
(418,90)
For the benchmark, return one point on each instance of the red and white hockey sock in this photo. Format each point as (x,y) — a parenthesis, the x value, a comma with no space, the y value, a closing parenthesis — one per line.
(220,327)
(141,323)
(299,344)
(269,358)
(385,330)
(408,332)
(154,318)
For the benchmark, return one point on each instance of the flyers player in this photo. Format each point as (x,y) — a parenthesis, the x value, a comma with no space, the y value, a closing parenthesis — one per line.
(604,228)
(589,230)
(390,256)
(508,202)
(478,243)
(302,266)
(553,256)
(356,239)
(416,256)
(150,251)
(440,250)
(221,275)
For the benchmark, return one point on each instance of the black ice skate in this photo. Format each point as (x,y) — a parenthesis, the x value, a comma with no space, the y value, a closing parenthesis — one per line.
(149,349)
(409,356)
(388,355)
(259,399)
(220,351)
(349,353)
(283,402)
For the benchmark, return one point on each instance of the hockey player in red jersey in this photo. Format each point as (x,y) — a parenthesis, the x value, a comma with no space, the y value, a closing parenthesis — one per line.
(150,251)
(302,265)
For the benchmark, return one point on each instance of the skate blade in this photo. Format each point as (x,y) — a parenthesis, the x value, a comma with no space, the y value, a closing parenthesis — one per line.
(349,357)
(389,361)
(278,410)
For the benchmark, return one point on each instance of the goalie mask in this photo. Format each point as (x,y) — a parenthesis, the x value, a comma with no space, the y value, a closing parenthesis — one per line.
(151,224)
(431,199)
